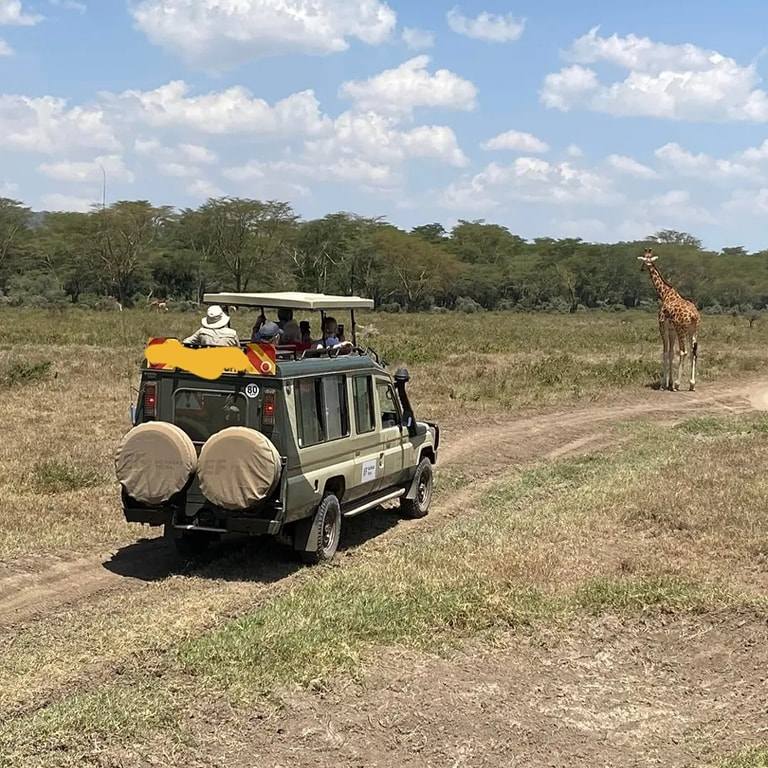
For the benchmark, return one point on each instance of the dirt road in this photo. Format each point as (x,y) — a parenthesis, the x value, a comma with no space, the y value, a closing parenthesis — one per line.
(36,587)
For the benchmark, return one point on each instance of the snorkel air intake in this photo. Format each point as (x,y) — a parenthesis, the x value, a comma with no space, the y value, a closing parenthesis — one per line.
(402,377)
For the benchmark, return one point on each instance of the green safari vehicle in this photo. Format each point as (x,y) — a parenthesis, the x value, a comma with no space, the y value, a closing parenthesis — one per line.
(290,449)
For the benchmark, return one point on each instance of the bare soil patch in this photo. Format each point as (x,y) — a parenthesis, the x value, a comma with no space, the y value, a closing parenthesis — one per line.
(655,691)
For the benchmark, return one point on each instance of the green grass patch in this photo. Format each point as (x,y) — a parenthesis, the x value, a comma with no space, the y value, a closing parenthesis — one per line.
(17,373)
(56,476)
(69,732)
(748,758)
(602,595)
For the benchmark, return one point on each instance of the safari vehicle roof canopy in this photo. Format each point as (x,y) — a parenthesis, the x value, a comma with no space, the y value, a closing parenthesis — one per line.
(289,300)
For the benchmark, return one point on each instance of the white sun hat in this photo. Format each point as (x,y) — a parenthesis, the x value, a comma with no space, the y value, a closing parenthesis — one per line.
(215,317)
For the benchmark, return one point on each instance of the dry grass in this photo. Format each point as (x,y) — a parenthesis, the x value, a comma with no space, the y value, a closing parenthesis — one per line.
(546,546)
(675,523)
(72,374)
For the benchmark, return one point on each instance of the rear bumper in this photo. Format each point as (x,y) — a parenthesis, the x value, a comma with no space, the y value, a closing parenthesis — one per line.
(221,522)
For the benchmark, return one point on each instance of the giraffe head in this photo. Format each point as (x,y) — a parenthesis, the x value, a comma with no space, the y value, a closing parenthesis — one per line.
(647,258)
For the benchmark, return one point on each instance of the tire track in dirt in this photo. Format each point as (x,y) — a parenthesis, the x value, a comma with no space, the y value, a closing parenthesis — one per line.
(31,589)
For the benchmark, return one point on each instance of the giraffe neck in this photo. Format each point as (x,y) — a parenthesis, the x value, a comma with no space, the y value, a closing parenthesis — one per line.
(663,288)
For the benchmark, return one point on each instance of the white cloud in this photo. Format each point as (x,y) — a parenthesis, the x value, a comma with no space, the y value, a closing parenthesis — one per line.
(755,154)
(181,161)
(5,49)
(418,39)
(12,13)
(703,166)
(751,202)
(401,90)
(203,189)
(568,87)
(573,150)
(46,124)
(70,5)
(88,171)
(487,26)
(222,33)
(59,202)
(632,167)
(518,141)
(197,154)
(234,110)
(531,180)
(345,169)
(680,82)
(675,206)
(8,189)
(377,138)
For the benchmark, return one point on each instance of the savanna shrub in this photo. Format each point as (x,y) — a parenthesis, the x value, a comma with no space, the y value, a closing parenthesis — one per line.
(467,305)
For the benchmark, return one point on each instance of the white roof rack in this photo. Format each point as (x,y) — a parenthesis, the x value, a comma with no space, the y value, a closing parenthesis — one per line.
(289,300)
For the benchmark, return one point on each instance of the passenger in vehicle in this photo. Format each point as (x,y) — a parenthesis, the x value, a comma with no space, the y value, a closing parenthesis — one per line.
(284,316)
(306,332)
(260,320)
(330,328)
(214,330)
(268,333)
(291,333)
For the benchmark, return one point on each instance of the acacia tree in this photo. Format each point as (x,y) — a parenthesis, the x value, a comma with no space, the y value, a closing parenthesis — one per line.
(416,270)
(127,231)
(66,246)
(14,223)
(246,238)
(337,253)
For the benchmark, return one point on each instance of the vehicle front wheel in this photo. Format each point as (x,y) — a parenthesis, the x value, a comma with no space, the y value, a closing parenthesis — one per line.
(324,532)
(423,481)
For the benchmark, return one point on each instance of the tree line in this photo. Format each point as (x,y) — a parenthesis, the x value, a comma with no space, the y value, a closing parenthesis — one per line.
(130,251)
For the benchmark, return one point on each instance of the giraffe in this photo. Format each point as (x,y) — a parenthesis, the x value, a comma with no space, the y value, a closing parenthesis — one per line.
(678,322)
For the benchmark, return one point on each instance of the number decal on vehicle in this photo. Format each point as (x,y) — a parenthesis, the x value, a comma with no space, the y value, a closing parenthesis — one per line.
(369,471)
(252,390)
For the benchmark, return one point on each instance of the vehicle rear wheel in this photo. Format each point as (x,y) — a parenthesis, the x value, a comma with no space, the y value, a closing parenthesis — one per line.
(190,545)
(324,532)
(423,480)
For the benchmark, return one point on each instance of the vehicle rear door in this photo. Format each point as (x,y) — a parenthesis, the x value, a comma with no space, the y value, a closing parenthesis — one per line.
(367,435)
(391,449)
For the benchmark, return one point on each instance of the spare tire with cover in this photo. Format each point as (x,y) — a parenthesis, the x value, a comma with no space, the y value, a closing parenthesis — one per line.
(238,468)
(155,461)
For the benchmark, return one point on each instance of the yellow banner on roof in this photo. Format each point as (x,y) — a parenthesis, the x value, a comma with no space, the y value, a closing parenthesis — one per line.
(211,362)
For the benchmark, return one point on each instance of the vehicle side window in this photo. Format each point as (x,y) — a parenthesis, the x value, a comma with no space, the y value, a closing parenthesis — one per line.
(309,408)
(322,410)
(362,392)
(336,409)
(390,413)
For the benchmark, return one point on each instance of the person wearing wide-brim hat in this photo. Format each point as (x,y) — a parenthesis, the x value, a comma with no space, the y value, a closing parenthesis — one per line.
(214,330)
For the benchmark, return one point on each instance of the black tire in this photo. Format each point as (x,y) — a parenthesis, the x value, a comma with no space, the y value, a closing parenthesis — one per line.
(325,530)
(424,481)
(190,545)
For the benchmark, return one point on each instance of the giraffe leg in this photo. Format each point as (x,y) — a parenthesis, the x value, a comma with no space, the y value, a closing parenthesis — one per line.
(694,356)
(670,383)
(664,354)
(681,354)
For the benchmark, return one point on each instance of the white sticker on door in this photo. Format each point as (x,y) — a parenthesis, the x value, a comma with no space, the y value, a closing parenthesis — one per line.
(369,470)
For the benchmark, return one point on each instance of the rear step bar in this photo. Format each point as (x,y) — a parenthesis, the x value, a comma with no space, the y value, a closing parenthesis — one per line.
(375,503)
(203,528)
(364,507)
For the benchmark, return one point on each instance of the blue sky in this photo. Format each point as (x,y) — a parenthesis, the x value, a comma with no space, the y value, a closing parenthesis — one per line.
(598,120)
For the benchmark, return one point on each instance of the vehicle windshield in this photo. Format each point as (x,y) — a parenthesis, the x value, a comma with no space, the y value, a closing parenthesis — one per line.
(202,413)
